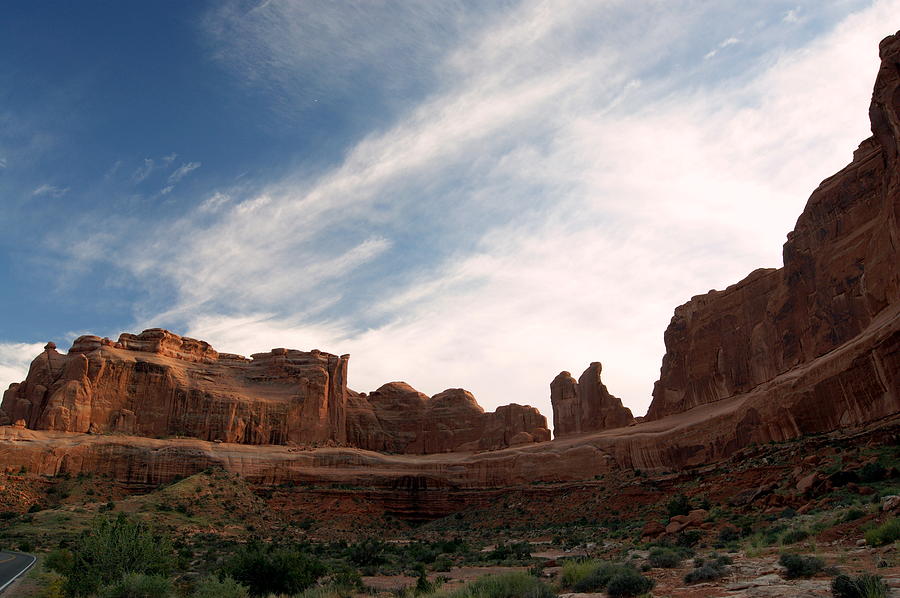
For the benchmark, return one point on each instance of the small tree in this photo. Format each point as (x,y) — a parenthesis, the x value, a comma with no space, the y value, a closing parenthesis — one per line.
(114,547)
(267,570)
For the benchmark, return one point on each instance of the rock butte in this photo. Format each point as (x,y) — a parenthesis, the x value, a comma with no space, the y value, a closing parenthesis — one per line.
(158,384)
(811,347)
(586,405)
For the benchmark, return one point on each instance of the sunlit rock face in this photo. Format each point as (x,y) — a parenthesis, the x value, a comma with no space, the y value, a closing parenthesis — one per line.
(585,405)
(159,384)
(838,288)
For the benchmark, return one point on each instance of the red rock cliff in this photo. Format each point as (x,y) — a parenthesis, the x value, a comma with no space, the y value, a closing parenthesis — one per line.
(839,286)
(158,384)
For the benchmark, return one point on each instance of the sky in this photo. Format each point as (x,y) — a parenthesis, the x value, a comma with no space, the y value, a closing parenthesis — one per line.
(458,194)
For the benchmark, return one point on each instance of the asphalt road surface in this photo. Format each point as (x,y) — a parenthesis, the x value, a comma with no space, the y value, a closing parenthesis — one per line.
(13,564)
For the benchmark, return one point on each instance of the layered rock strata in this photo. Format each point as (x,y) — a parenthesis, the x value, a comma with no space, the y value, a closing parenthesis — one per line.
(158,384)
(585,405)
(840,285)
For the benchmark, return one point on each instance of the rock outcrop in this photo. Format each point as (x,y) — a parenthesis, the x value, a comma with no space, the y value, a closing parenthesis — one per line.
(396,418)
(831,314)
(158,384)
(586,405)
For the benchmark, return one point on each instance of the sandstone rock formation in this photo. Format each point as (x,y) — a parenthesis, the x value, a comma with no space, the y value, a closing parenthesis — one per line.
(812,347)
(586,405)
(834,307)
(159,384)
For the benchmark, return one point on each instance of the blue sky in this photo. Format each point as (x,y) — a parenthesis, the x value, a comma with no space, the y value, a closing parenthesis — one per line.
(459,194)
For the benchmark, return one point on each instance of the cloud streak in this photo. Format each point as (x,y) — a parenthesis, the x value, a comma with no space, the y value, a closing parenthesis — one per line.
(50,191)
(547,202)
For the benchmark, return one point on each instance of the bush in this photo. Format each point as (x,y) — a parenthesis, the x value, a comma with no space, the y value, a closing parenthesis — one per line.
(886,533)
(113,548)
(368,553)
(517,584)
(793,536)
(729,534)
(801,566)
(213,587)
(678,505)
(138,585)
(443,563)
(61,561)
(268,570)
(517,551)
(705,572)
(872,472)
(666,558)
(688,538)
(629,583)
(574,571)
(52,587)
(598,578)
(863,586)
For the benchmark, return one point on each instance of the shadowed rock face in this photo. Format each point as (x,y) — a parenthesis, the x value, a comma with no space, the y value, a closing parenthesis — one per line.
(839,285)
(158,384)
(397,418)
(586,405)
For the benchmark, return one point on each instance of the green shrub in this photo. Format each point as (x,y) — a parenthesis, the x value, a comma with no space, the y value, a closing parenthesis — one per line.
(516,584)
(138,585)
(60,560)
(213,587)
(516,551)
(794,535)
(598,578)
(574,571)
(801,566)
(705,572)
(872,472)
(629,583)
(442,563)
(112,548)
(666,558)
(863,586)
(368,553)
(886,533)
(688,538)
(678,505)
(269,570)
(852,515)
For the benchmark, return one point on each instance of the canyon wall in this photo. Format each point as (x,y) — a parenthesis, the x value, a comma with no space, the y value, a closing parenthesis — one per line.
(158,384)
(840,283)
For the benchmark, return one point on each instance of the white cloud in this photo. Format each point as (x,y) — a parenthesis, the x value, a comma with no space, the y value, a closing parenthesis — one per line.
(728,42)
(14,361)
(2,162)
(566,197)
(50,191)
(143,171)
(214,202)
(182,171)
(792,16)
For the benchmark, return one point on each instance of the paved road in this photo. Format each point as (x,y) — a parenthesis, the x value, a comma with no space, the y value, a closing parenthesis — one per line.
(13,564)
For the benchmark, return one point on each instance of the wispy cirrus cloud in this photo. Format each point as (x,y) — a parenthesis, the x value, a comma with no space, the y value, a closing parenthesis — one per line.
(182,171)
(50,191)
(545,202)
